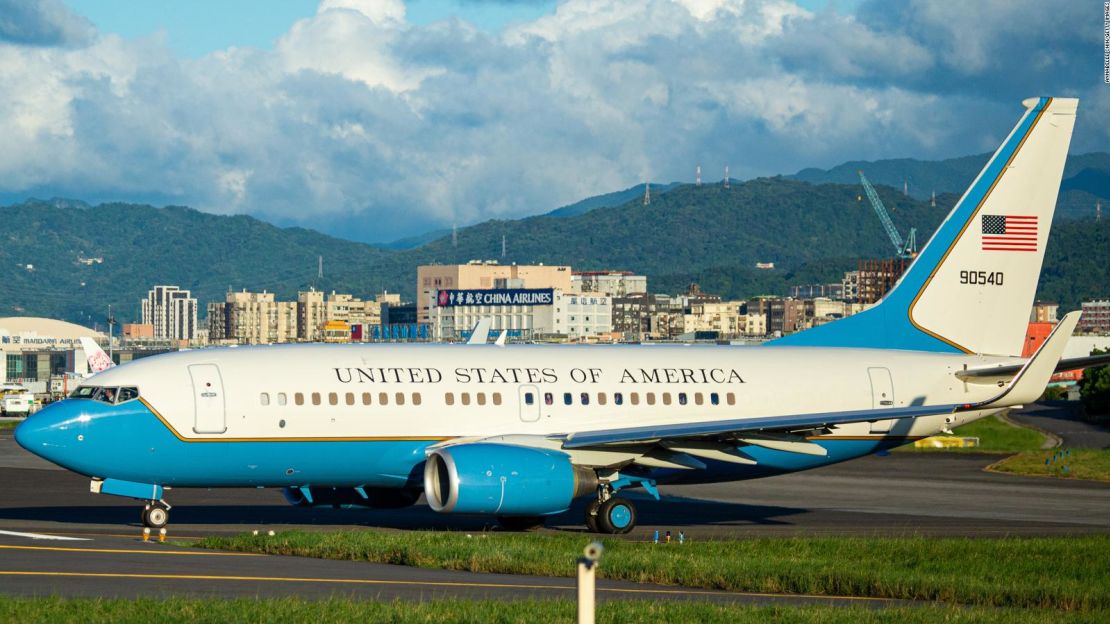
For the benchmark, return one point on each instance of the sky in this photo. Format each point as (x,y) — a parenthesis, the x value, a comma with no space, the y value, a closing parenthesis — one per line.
(378,119)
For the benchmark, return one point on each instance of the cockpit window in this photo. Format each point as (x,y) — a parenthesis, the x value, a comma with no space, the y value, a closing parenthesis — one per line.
(83,392)
(108,394)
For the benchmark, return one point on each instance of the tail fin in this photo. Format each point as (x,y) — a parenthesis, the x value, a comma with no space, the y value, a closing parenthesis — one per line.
(971,288)
(98,360)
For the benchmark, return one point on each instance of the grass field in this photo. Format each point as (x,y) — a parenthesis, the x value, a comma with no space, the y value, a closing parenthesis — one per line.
(1091,464)
(995,436)
(9,424)
(338,611)
(1060,573)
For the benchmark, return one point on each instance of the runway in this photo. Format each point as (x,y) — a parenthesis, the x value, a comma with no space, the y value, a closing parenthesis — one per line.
(899,494)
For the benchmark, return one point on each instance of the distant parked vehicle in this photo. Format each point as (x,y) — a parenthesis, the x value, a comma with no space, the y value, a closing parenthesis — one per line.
(16,400)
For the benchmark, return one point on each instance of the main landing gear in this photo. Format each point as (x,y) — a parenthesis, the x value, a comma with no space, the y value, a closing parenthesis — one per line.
(613,514)
(156,514)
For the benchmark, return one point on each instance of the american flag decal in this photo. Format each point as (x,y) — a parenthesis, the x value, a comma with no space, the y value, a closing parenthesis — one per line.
(1009,233)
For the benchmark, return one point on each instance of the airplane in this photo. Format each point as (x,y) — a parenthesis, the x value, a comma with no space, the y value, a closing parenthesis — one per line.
(98,361)
(519,432)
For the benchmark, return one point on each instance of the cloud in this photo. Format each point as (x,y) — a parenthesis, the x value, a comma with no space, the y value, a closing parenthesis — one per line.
(42,23)
(364,125)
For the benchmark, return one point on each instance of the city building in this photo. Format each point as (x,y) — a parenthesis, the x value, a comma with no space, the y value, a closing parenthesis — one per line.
(484,275)
(724,318)
(137,331)
(528,313)
(1044,312)
(648,316)
(1096,317)
(252,318)
(172,312)
(611,283)
(312,313)
(812,291)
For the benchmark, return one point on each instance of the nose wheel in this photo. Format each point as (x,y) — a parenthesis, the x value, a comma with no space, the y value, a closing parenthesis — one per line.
(156,515)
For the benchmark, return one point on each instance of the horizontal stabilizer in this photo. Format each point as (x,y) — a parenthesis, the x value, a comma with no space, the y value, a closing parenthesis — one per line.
(1009,370)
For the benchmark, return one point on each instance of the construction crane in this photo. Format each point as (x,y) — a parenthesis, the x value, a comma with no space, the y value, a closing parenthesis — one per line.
(906,249)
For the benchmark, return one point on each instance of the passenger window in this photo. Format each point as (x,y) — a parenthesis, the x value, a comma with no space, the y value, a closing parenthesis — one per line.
(634,398)
(548,398)
(601,398)
(529,399)
(497,398)
(681,398)
(567,399)
(127,394)
(618,398)
(264,398)
(651,398)
(400,396)
(366,398)
(282,399)
(350,398)
(416,398)
(298,398)
(731,398)
(383,398)
(333,398)
(315,398)
(666,398)
(698,398)
(449,398)
(465,396)
(585,398)
(481,398)
(714,398)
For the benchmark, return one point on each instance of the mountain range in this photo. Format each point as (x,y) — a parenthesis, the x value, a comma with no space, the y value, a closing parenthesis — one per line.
(66,259)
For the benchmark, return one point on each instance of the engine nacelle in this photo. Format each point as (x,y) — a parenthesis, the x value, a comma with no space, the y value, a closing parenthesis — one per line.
(377,498)
(503,479)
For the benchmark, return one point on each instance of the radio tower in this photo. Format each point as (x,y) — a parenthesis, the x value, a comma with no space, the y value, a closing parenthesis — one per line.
(319,267)
(933,201)
(906,187)
(454,234)
(697,176)
(502,245)
(726,176)
(647,192)
(1098,211)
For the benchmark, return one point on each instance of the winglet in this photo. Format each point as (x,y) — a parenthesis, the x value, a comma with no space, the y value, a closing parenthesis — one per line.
(1029,384)
(480,333)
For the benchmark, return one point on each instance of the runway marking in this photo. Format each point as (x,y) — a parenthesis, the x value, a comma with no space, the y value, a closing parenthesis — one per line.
(43,536)
(347,581)
(130,551)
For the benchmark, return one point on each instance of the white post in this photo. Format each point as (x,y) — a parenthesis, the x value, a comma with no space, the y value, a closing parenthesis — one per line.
(587,576)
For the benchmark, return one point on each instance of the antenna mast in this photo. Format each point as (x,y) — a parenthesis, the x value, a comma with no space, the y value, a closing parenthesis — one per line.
(647,192)
(726,176)
(697,176)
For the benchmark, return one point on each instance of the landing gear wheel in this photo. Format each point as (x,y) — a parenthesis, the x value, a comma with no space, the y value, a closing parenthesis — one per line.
(616,516)
(155,516)
(520,523)
(591,515)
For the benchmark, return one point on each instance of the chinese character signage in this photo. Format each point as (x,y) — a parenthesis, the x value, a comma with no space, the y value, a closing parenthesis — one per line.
(498,297)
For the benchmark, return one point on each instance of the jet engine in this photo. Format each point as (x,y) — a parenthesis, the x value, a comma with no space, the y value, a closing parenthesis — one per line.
(503,479)
(337,497)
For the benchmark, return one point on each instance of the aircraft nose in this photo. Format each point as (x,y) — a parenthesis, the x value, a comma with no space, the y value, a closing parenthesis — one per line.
(46,431)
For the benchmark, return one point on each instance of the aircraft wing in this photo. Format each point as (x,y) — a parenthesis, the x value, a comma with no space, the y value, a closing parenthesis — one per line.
(741,426)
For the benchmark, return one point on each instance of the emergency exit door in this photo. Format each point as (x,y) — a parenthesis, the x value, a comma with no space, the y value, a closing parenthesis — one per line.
(208,397)
(882,397)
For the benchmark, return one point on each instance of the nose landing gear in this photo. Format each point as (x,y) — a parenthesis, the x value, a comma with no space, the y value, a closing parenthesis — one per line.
(156,514)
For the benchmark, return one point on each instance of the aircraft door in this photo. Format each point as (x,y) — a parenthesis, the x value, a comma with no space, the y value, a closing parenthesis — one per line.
(882,397)
(529,403)
(208,397)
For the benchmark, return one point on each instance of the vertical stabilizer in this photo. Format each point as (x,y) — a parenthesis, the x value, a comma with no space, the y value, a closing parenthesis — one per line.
(971,287)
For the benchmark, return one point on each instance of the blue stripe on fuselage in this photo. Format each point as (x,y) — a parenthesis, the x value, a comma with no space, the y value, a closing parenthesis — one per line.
(129,442)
